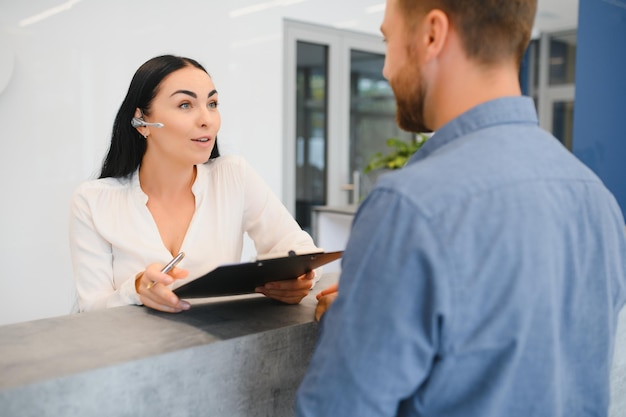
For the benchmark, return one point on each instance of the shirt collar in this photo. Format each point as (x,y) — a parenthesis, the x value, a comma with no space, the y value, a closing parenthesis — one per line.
(201,182)
(505,110)
(197,188)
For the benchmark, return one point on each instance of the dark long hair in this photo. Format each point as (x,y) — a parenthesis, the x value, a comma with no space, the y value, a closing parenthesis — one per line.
(127,145)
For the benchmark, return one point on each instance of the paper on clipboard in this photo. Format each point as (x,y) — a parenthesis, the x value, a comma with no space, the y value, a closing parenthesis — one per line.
(243,278)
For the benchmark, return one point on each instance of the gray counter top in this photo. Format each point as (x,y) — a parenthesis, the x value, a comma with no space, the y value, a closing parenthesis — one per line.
(230,356)
(241,355)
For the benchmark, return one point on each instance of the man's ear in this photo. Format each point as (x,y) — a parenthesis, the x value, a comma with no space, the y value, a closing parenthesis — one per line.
(436,32)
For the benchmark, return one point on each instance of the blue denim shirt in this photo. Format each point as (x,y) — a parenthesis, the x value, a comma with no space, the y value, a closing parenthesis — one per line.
(483,279)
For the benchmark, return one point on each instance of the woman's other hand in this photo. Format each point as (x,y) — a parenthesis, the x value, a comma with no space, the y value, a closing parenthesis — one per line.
(290,291)
(153,290)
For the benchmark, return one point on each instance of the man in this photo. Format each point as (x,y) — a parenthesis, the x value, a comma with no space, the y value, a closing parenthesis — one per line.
(485,277)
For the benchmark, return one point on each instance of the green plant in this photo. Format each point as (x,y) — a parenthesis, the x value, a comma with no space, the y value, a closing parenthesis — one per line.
(401,151)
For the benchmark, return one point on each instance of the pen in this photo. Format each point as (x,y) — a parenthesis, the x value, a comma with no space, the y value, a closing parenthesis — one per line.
(167,268)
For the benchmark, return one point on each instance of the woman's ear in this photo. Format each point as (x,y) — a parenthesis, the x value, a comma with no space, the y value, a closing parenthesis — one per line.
(143,130)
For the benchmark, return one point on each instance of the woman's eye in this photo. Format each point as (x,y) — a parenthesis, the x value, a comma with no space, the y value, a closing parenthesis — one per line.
(185,105)
(213,105)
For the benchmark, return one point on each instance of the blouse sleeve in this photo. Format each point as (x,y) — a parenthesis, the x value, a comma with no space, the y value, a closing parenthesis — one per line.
(92,261)
(268,222)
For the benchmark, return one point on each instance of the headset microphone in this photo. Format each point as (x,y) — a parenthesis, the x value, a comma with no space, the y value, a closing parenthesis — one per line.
(138,122)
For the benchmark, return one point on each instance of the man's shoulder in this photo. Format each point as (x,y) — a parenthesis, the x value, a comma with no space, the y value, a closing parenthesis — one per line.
(431,181)
(482,165)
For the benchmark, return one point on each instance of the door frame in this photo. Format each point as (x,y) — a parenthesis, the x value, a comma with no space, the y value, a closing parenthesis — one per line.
(545,93)
(339,43)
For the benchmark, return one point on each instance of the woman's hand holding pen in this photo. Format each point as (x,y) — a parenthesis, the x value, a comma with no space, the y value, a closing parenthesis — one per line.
(290,291)
(153,290)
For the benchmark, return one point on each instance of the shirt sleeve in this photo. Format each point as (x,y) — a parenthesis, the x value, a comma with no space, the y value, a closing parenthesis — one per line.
(92,261)
(268,222)
(379,339)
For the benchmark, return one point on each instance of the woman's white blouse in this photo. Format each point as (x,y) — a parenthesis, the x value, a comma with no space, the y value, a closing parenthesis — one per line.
(113,236)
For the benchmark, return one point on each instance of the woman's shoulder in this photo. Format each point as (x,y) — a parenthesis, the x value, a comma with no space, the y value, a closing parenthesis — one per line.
(227,172)
(227,164)
(227,160)
(101,186)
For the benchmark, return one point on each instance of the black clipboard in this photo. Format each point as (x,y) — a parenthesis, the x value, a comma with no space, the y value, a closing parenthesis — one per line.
(243,278)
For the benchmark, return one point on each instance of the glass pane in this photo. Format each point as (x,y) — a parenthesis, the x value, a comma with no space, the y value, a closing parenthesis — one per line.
(562,58)
(563,122)
(372,115)
(311,129)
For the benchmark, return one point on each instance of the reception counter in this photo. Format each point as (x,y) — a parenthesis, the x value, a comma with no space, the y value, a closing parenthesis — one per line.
(234,356)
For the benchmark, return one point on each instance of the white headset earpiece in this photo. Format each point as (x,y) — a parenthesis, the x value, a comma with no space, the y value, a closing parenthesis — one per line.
(139,122)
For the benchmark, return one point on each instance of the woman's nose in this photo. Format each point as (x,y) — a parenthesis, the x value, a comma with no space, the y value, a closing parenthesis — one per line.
(207,117)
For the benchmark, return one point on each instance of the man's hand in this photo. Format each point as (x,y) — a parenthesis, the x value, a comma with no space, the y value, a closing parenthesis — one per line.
(324,299)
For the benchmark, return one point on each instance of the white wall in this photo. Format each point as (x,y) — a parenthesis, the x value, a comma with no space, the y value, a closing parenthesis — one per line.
(70,73)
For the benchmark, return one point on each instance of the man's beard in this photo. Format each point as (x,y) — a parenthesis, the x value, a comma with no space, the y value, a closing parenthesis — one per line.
(410,93)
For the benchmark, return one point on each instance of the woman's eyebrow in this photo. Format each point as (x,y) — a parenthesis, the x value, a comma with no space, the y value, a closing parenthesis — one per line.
(187,92)
(191,93)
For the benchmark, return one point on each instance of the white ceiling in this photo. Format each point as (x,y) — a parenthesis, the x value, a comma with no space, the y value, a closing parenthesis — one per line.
(556,15)
(363,15)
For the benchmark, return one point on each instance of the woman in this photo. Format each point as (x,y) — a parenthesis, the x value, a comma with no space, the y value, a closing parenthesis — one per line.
(164,189)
